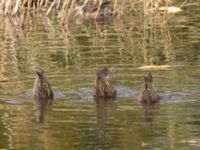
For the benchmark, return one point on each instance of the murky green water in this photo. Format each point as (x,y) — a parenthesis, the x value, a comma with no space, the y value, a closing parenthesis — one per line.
(71,58)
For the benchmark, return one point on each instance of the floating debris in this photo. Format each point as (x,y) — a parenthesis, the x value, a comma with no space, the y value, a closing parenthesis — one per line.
(195,142)
(13,102)
(170,10)
(155,67)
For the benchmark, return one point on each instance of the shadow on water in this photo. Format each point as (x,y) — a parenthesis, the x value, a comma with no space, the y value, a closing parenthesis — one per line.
(41,108)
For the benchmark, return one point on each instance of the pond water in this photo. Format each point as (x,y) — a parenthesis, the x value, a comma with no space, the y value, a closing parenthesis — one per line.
(71,55)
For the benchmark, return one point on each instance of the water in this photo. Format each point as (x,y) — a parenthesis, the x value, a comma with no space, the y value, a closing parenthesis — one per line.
(71,59)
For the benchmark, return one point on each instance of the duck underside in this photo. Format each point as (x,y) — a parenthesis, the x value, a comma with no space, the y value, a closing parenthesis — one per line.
(147,96)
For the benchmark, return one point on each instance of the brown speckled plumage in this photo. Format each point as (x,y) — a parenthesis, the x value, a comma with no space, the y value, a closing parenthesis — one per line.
(104,87)
(148,94)
(42,88)
(90,11)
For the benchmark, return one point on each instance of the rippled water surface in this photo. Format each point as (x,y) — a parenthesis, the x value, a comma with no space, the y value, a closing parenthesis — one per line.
(71,56)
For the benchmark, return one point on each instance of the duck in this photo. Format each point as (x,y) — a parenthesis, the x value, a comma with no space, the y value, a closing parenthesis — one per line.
(41,87)
(148,94)
(90,11)
(103,85)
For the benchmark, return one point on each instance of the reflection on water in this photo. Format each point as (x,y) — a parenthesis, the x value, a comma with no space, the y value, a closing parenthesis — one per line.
(71,56)
(41,108)
(105,107)
(148,112)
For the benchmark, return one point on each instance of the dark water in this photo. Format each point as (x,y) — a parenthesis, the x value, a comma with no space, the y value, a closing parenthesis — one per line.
(71,56)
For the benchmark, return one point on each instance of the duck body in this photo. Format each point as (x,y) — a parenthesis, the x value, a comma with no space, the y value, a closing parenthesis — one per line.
(103,85)
(95,12)
(42,88)
(148,94)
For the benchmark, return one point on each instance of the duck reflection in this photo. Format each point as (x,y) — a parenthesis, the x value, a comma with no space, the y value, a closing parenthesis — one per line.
(104,108)
(41,108)
(148,112)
